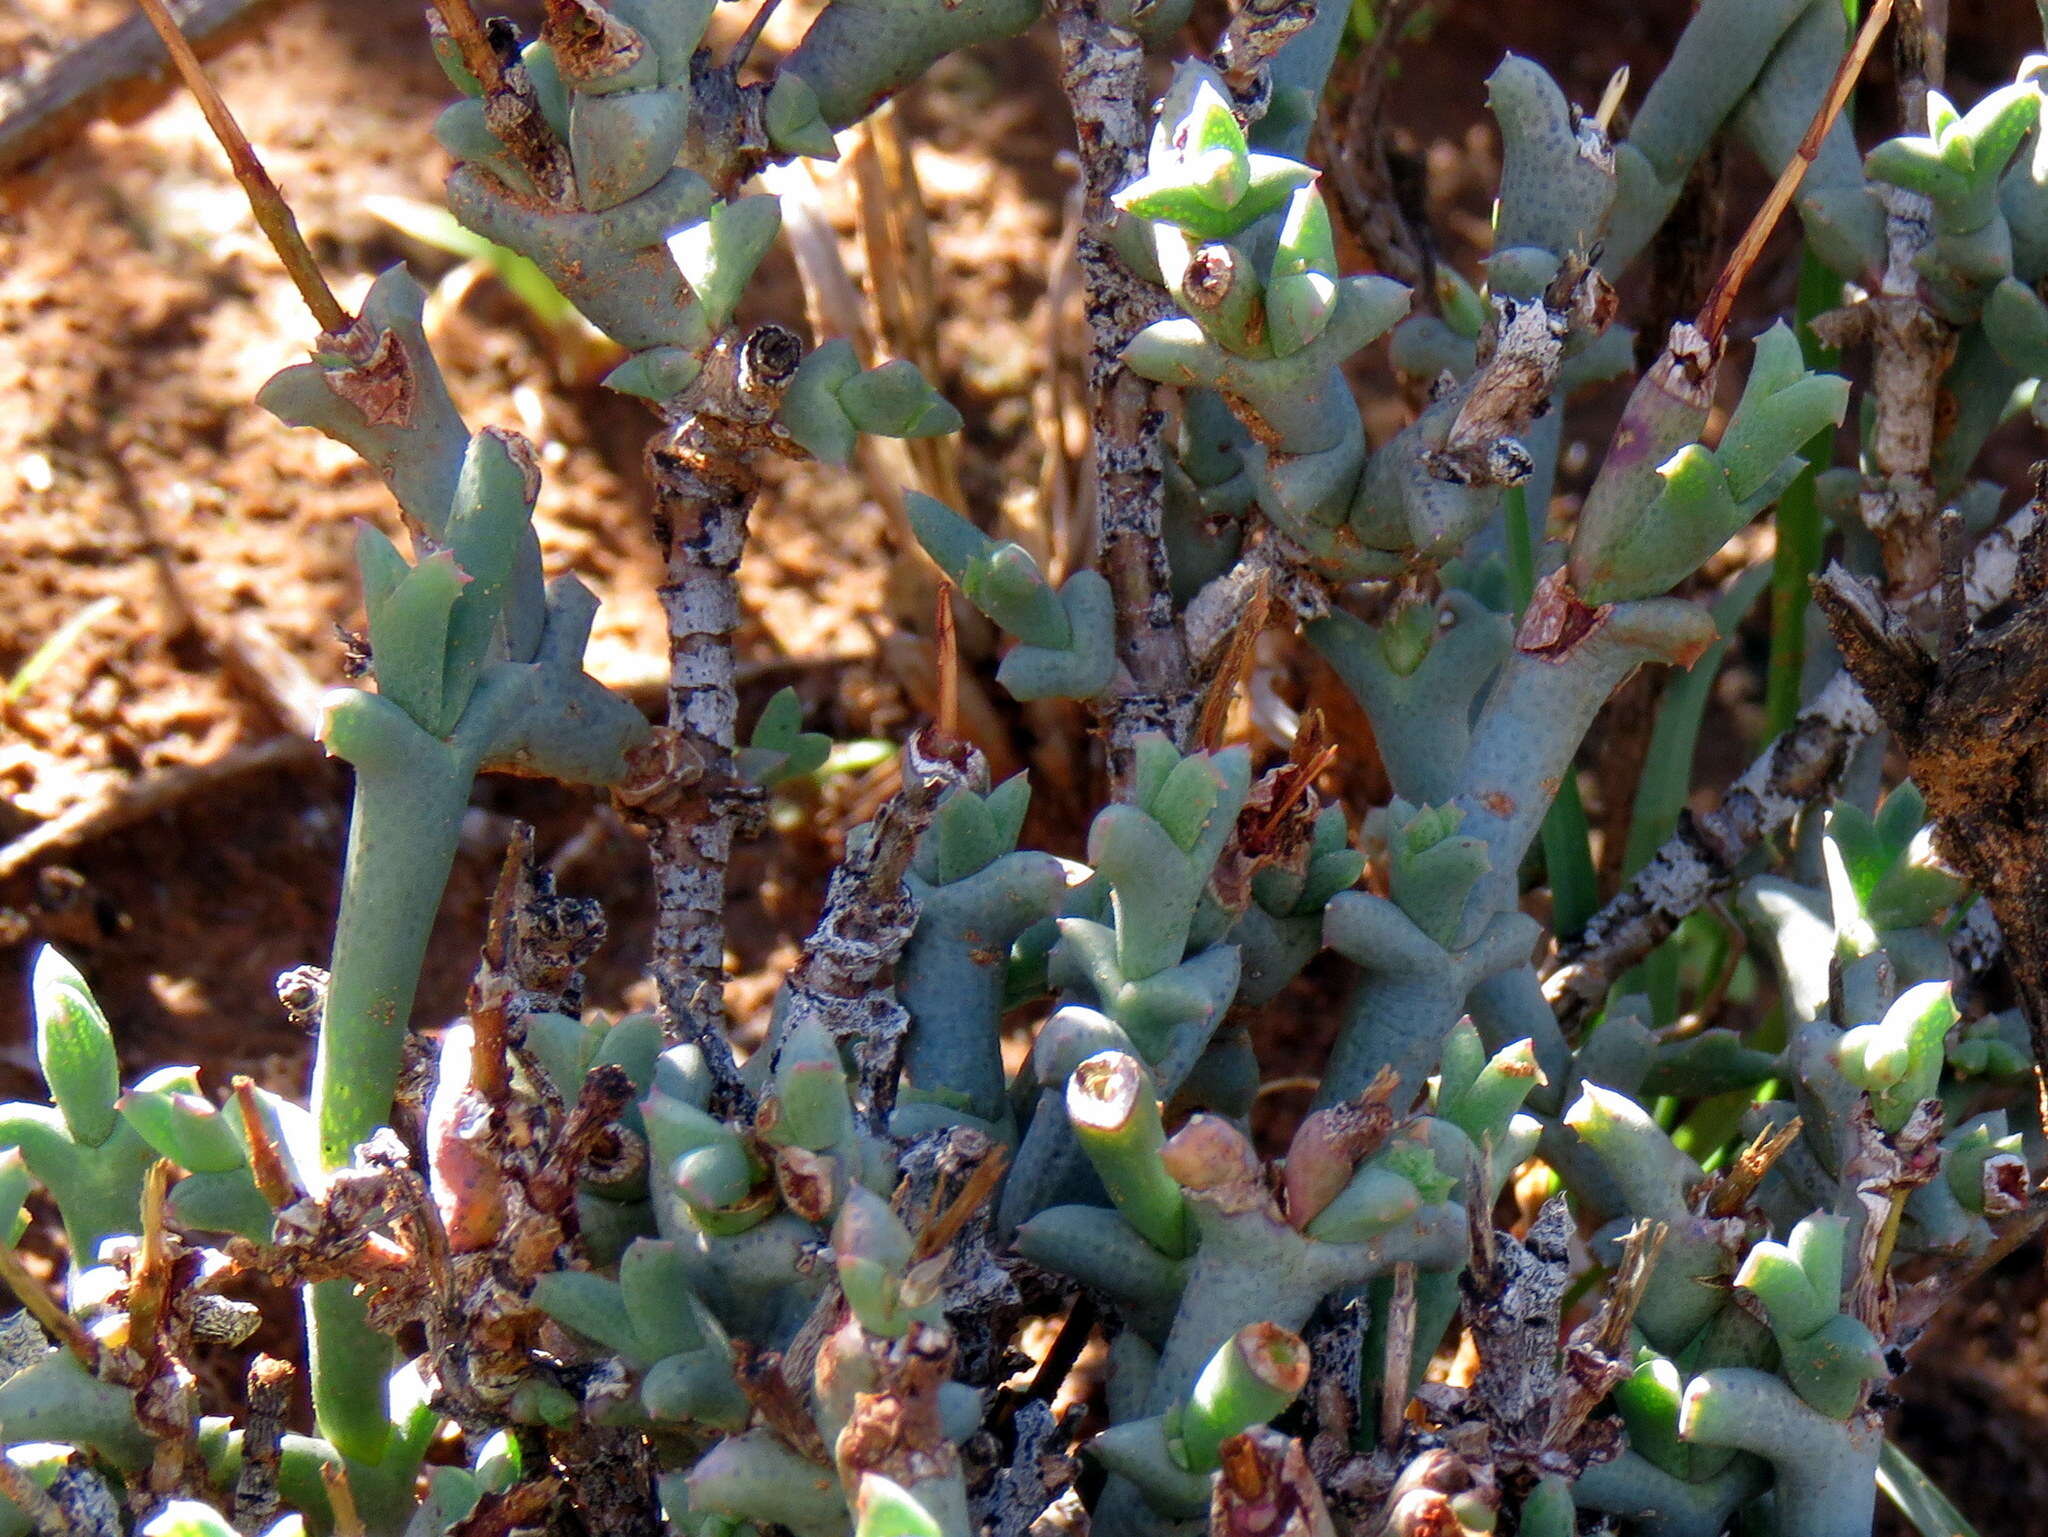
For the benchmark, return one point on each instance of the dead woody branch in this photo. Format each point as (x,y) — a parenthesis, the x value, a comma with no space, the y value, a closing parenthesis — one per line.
(1707,854)
(683,792)
(842,979)
(1102,68)
(1970,725)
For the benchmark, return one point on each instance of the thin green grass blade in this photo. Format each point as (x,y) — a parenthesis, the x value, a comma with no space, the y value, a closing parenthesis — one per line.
(1800,534)
(1917,1497)
(1667,774)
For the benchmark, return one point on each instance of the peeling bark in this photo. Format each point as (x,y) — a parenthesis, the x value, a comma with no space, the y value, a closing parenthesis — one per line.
(683,794)
(1103,70)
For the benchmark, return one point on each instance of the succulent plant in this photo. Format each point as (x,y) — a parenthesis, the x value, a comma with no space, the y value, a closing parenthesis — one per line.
(658,1286)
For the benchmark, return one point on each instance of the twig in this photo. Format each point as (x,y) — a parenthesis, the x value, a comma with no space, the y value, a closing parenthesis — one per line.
(1920,53)
(1975,950)
(607,1091)
(269,1396)
(901,280)
(519,1508)
(342,1500)
(756,25)
(1968,724)
(776,1404)
(946,647)
(266,1162)
(1952,610)
(1057,534)
(1266,1484)
(682,793)
(1713,317)
(1067,1346)
(1608,1331)
(1611,98)
(46,1309)
(1258,30)
(489,1065)
(1702,858)
(1374,196)
(1521,349)
(1229,662)
(89,1505)
(136,799)
(2014,1233)
(1597,1355)
(973,1194)
(1909,349)
(467,33)
(1040,1471)
(46,1515)
(511,106)
(1731,1190)
(1400,1356)
(1102,68)
(116,73)
(1513,1302)
(842,978)
(273,215)
(149,1283)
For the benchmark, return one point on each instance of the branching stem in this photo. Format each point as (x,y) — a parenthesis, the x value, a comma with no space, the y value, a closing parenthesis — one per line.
(273,214)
